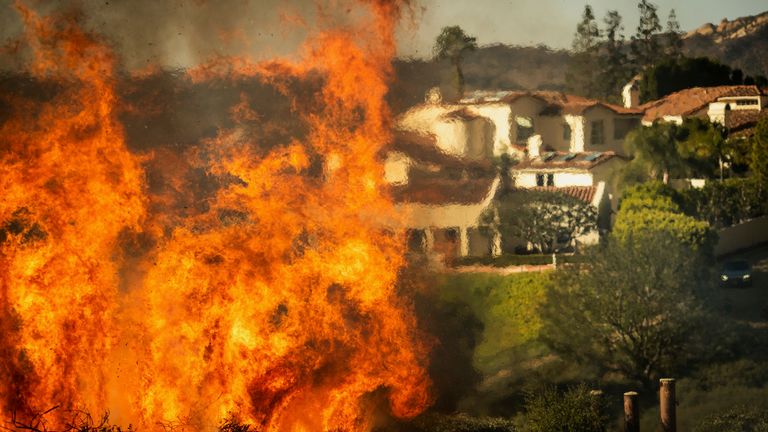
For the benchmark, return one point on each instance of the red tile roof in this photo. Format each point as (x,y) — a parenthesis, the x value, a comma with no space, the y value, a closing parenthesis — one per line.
(462,114)
(583,193)
(444,191)
(742,122)
(556,102)
(423,148)
(688,101)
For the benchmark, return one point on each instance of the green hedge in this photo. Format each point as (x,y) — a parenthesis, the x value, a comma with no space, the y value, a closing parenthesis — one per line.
(507,260)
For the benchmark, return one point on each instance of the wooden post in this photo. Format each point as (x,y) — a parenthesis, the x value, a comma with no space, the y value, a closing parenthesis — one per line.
(631,412)
(667,405)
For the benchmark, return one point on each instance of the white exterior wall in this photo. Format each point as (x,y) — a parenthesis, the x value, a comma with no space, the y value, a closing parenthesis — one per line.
(731,100)
(608,172)
(424,216)
(577,132)
(480,137)
(524,179)
(525,106)
(562,178)
(451,136)
(609,143)
(551,131)
(499,115)
(472,138)
(396,168)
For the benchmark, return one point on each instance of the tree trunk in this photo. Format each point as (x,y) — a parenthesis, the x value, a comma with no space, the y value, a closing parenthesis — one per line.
(459,78)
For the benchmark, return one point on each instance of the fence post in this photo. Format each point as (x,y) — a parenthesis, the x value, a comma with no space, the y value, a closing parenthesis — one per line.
(631,412)
(667,405)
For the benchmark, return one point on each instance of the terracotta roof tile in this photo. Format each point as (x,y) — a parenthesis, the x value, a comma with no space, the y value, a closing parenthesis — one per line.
(423,149)
(583,193)
(738,120)
(444,191)
(688,101)
(556,102)
(461,114)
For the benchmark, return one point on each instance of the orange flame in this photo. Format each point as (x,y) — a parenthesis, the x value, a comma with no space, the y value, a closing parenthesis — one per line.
(277,305)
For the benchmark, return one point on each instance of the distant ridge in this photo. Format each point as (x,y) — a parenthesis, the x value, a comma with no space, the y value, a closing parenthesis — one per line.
(740,43)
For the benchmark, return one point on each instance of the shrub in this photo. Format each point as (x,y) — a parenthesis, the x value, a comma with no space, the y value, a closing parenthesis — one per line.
(507,260)
(575,410)
(737,419)
(457,423)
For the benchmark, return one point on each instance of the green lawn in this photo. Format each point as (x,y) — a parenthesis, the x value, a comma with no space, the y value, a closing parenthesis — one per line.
(508,348)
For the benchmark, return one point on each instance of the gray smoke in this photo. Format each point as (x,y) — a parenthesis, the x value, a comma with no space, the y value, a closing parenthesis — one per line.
(183,33)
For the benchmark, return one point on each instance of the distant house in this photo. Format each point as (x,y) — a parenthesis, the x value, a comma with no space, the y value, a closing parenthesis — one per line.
(590,176)
(737,107)
(502,122)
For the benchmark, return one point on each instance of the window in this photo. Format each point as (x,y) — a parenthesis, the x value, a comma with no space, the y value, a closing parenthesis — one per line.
(567,132)
(417,240)
(622,126)
(743,102)
(597,136)
(545,179)
(524,126)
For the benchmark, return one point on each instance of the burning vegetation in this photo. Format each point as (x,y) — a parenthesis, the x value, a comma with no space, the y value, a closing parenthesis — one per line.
(250,275)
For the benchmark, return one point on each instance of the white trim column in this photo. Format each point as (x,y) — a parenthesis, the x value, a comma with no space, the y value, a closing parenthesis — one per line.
(495,242)
(429,240)
(463,242)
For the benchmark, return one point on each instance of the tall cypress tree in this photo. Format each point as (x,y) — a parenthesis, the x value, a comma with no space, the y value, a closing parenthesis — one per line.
(614,70)
(644,43)
(581,76)
(673,36)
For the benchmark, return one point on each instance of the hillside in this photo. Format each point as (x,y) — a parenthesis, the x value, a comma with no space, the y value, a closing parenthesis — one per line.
(495,66)
(741,43)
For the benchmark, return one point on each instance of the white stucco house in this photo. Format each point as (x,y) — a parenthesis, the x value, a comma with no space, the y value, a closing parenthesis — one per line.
(558,140)
(495,123)
(441,197)
(737,107)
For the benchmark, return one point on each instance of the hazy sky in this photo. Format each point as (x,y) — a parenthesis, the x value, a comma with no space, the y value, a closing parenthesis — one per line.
(181,33)
(552,22)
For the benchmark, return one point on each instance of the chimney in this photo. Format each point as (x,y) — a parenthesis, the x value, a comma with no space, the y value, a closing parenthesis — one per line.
(534,146)
(630,94)
(433,96)
(719,112)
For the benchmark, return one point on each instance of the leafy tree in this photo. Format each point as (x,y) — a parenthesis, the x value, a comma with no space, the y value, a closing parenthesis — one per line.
(631,309)
(673,36)
(758,154)
(728,202)
(705,148)
(451,44)
(675,74)
(581,76)
(655,150)
(695,148)
(575,410)
(614,72)
(653,208)
(645,48)
(694,233)
(541,217)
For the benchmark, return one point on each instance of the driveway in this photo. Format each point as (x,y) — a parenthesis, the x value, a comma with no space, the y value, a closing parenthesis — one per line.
(749,304)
